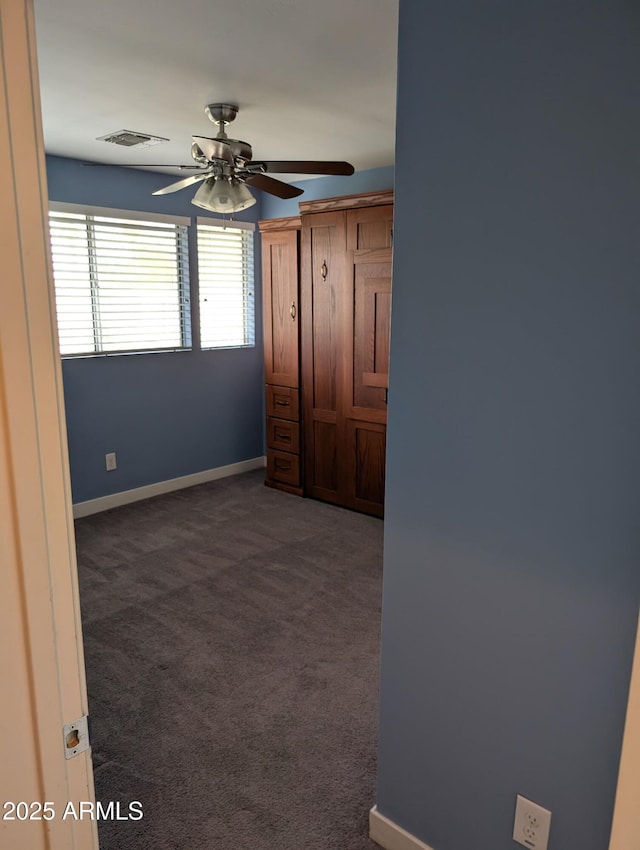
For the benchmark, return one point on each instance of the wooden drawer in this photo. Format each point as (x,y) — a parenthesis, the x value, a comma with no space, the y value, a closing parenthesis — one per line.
(283,467)
(282,402)
(283,434)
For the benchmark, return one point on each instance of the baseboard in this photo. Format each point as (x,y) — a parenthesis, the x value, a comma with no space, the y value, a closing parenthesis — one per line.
(389,835)
(104,503)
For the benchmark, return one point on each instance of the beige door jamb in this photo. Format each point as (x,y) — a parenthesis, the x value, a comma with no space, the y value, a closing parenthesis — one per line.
(625,833)
(41,657)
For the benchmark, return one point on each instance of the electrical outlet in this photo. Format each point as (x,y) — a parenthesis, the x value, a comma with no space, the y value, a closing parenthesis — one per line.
(531,825)
(110,461)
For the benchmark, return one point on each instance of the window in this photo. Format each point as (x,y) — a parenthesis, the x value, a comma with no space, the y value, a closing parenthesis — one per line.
(225,274)
(121,280)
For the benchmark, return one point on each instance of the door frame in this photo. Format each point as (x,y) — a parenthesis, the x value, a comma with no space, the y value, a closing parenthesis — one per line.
(626,816)
(41,653)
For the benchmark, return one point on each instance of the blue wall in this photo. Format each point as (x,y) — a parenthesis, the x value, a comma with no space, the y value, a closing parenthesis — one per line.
(371,180)
(167,414)
(512,539)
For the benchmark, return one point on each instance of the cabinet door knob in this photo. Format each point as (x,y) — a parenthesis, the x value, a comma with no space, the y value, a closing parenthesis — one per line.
(293,310)
(324,270)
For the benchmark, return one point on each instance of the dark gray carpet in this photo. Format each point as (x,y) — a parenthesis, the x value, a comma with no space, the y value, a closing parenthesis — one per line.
(231,639)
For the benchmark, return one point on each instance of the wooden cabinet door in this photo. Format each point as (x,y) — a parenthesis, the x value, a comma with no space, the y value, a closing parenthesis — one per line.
(346,310)
(365,458)
(369,237)
(323,296)
(368,380)
(370,228)
(368,364)
(280,306)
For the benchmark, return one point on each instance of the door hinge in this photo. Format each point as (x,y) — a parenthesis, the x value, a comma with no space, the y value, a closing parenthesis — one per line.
(76,737)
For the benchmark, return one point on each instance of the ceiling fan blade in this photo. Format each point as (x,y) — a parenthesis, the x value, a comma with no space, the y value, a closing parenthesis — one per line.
(274,187)
(305,167)
(182,184)
(214,149)
(139,165)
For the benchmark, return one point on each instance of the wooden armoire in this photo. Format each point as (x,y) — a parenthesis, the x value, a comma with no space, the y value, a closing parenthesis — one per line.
(327,308)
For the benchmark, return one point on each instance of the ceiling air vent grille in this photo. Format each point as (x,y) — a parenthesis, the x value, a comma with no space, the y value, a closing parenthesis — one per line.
(129,139)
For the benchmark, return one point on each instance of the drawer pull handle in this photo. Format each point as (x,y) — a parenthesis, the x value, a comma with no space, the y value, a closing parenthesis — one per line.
(285,465)
(282,403)
(324,270)
(286,437)
(293,310)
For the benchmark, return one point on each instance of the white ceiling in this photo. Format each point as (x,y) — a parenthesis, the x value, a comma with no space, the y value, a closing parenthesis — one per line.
(314,79)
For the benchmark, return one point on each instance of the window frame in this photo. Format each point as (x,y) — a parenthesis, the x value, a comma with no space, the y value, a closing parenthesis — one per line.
(183,256)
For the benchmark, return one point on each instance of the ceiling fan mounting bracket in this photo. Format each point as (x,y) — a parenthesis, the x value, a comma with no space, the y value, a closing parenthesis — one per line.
(221,113)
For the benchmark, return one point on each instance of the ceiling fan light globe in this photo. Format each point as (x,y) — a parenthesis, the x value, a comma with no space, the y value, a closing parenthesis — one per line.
(223,196)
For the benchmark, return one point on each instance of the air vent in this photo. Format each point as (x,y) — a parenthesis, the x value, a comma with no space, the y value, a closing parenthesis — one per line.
(129,139)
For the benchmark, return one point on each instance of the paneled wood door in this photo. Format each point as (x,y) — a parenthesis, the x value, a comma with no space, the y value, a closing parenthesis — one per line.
(346,306)
(369,238)
(367,384)
(280,306)
(281,311)
(323,293)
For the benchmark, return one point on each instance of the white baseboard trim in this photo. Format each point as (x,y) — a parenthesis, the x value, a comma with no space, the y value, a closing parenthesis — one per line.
(104,503)
(389,835)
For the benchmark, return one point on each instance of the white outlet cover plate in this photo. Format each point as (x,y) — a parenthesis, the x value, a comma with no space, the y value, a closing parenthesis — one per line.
(532,824)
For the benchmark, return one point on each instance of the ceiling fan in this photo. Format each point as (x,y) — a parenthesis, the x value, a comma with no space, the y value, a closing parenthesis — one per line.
(225,169)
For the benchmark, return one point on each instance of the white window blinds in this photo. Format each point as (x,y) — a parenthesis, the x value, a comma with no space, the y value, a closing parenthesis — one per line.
(121,284)
(225,274)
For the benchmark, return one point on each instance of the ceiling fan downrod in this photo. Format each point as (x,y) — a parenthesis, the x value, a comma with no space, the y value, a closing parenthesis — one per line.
(221,114)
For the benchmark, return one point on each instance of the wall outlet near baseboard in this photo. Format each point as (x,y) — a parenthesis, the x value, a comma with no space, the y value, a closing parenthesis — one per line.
(110,461)
(531,825)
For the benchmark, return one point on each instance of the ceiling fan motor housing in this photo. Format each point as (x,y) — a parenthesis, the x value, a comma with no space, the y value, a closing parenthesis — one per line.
(239,149)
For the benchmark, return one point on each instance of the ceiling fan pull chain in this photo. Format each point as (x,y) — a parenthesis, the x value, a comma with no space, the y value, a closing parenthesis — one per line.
(324,269)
